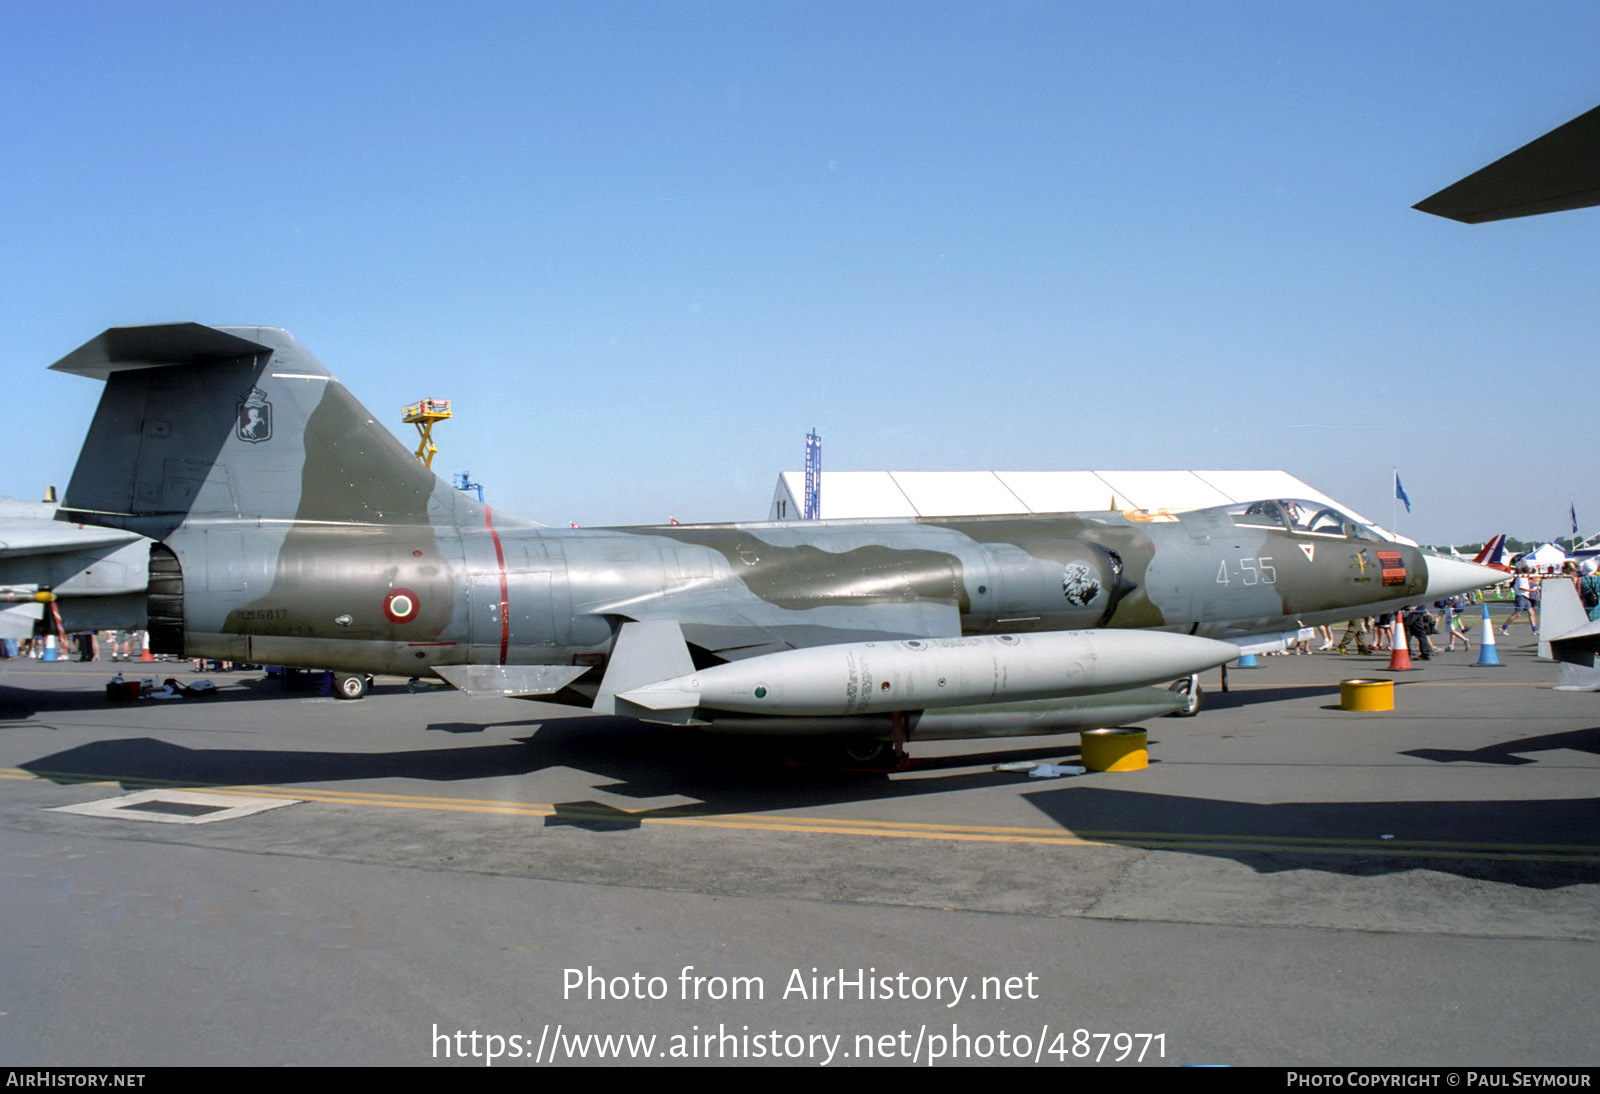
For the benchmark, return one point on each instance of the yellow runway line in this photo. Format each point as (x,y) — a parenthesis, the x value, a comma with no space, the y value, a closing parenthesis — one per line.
(1154,841)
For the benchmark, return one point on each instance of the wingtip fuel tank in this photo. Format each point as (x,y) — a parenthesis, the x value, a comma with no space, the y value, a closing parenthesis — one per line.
(927,674)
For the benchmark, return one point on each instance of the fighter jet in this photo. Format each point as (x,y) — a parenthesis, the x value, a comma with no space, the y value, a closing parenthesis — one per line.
(291,528)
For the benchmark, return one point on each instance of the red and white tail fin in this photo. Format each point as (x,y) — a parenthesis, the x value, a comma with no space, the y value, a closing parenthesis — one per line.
(1493,553)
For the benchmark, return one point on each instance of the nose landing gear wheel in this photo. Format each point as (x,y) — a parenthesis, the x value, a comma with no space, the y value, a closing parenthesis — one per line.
(351,685)
(1189,687)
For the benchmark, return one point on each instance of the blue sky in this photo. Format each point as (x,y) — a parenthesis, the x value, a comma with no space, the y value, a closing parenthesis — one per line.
(645,247)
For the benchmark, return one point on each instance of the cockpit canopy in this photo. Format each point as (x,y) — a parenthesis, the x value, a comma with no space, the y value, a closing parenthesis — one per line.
(1301,517)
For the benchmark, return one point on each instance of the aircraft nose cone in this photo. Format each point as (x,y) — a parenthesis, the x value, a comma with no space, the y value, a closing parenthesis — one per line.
(1451,577)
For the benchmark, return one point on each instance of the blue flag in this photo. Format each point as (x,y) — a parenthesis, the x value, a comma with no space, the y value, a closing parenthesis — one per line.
(1574,508)
(1400,491)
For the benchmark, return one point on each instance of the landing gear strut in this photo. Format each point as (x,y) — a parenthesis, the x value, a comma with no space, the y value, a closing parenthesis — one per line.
(1189,687)
(866,753)
(871,754)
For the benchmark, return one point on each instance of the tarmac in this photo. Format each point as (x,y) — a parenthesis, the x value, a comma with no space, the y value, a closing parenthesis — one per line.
(302,880)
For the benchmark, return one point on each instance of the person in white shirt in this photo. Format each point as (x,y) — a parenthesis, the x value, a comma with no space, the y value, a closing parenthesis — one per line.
(1523,588)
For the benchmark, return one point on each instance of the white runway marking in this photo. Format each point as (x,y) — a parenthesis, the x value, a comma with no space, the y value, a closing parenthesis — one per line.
(175,807)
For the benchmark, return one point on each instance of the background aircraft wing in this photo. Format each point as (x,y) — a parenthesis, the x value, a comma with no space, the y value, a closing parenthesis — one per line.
(46,537)
(17,620)
(1558,171)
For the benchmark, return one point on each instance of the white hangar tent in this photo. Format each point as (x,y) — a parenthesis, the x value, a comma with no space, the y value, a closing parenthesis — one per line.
(1545,557)
(879,494)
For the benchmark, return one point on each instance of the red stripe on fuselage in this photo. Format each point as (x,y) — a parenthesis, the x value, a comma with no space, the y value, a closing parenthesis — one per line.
(500,558)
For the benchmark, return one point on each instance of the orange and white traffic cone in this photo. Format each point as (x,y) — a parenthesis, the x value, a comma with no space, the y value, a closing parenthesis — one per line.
(144,646)
(1400,649)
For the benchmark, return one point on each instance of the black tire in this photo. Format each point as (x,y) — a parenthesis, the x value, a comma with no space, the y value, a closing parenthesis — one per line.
(866,753)
(1189,686)
(351,685)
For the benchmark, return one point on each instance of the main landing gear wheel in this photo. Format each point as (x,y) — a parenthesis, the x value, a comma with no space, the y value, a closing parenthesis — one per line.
(859,754)
(1189,687)
(351,685)
(867,754)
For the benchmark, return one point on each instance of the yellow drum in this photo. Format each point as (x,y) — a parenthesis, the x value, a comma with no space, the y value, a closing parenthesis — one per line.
(1114,750)
(1366,694)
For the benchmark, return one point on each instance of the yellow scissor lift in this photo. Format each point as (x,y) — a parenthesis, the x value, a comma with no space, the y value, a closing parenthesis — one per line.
(423,414)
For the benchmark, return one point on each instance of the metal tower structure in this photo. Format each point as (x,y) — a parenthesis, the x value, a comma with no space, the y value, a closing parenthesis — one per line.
(813,504)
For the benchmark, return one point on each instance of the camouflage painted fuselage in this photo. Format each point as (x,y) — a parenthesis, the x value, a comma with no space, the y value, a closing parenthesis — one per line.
(296,530)
(501,592)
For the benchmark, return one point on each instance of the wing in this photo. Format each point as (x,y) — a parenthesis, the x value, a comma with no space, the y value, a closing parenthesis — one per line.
(1555,172)
(24,536)
(776,591)
(750,631)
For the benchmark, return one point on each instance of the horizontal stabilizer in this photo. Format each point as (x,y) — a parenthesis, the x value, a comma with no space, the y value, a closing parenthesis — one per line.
(122,348)
(202,423)
(510,681)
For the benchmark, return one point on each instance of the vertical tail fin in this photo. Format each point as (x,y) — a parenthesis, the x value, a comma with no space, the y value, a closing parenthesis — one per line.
(216,423)
(1493,553)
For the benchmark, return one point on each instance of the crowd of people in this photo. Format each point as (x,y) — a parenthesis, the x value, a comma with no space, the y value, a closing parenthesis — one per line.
(1420,623)
(82,646)
(1525,590)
